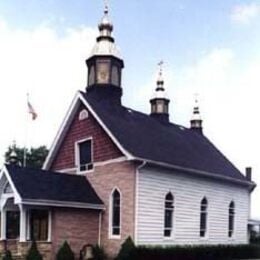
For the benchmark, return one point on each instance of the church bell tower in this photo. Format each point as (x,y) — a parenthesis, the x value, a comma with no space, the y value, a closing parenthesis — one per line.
(105,64)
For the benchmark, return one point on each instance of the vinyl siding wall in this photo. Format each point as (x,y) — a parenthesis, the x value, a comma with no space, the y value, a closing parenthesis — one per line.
(188,191)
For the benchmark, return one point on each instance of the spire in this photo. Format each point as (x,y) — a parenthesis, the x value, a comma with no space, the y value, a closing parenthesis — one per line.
(105,26)
(160,91)
(196,121)
(160,103)
(105,44)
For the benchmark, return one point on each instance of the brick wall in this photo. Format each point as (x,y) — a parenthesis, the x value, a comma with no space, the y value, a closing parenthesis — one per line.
(104,148)
(78,227)
(104,179)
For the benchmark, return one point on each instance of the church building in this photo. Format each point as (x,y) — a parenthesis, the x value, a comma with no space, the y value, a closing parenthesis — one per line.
(113,172)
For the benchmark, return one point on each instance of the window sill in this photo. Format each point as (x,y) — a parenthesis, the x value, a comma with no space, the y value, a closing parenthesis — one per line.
(84,172)
(171,238)
(116,237)
(206,238)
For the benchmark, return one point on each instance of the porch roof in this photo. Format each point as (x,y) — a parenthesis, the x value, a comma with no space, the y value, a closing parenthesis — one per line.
(36,186)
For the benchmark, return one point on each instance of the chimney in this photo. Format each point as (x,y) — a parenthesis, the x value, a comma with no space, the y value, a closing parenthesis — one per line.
(249,173)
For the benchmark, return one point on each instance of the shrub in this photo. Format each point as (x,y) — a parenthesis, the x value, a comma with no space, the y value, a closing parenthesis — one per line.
(221,252)
(65,252)
(8,255)
(99,253)
(33,253)
(127,251)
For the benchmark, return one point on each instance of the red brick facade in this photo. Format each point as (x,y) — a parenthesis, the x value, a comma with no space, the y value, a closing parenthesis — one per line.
(78,227)
(103,147)
(104,179)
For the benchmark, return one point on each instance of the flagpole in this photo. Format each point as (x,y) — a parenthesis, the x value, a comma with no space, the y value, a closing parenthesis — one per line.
(26,134)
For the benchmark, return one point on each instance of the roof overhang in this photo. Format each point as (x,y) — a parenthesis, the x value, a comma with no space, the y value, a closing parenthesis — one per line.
(63,204)
(249,184)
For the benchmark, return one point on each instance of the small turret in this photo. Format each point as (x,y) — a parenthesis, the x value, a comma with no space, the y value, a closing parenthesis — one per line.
(13,157)
(196,121)
(160,103)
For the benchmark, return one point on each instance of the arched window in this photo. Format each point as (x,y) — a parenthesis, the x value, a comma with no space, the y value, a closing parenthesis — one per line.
(203,217)
(168,214)
(231,217)
(115,213)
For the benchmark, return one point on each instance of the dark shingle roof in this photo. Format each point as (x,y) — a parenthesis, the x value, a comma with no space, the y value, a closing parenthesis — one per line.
(145,137)
(36,184)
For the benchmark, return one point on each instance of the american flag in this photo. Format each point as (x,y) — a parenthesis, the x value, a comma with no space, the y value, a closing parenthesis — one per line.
(31,111)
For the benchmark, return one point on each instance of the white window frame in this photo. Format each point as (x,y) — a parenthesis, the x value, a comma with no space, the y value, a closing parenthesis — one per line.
(77,155)
(173,211)
(111,235)
(207,216)
(234,216)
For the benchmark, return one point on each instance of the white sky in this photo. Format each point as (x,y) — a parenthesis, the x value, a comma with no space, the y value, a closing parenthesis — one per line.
(52,68)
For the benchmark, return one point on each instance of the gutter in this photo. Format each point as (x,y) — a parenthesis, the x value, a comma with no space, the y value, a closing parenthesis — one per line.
(63,204)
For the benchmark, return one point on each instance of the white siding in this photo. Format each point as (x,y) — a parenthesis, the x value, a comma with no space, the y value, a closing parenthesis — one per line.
(188,192)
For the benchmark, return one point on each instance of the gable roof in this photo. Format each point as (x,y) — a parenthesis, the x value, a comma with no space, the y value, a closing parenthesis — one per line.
(40,187)
(141,137)
(144,137)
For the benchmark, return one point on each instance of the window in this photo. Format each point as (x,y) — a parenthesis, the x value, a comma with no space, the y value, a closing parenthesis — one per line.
(83,114)
(168,215)
(231,217)
(12,224)
(115,76)
(85,155)
(115,208)
(91,77)
(203,217)
(39,225)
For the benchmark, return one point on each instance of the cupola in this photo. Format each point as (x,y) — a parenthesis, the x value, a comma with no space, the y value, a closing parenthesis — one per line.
(105,64)
(160,102)
(13,157)
(196,121)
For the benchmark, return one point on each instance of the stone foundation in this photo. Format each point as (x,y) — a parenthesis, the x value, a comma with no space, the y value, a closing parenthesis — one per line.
(20,249)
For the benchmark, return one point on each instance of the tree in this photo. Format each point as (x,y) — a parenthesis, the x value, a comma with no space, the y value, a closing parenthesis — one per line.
(127,251)
(33,253)
(35,157)
(65,252)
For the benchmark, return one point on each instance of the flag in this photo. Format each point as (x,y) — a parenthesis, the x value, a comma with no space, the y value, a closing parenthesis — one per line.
(31,111)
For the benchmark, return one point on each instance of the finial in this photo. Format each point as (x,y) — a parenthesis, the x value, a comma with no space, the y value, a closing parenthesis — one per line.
(105,6)
(196,105)
(160,80)
(196,121)
(160,64)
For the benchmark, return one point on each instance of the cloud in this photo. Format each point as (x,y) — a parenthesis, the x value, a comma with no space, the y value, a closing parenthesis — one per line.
(229,95)
(244,14)
(229,100)
(51,67)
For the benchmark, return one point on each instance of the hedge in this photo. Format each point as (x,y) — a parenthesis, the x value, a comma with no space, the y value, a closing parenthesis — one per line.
(221,252)
(199,252)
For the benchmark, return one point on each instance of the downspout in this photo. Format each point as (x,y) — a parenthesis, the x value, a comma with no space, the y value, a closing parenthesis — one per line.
(99,227)
(138,168)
